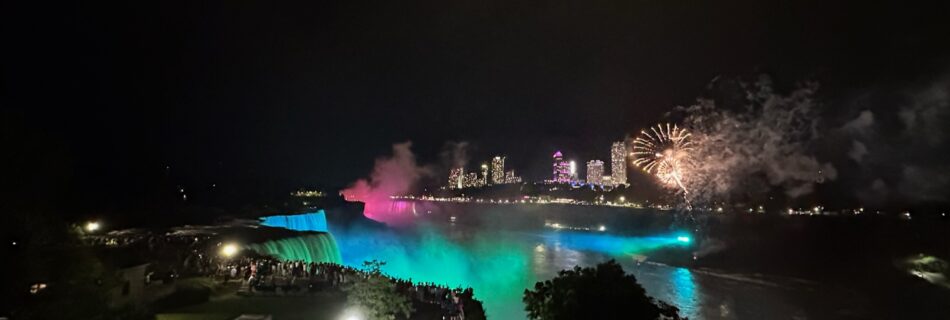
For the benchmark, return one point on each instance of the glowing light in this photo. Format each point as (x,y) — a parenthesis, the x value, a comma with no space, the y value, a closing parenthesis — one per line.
(684,288)
(664,152)
(602,228)
(229,250)
(37,287)
(92,226)
(305,193)
(352,313)
(683,239)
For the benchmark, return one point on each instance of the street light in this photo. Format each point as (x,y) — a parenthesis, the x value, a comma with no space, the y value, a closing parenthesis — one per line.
(352,313)
(92,226)
(229,250)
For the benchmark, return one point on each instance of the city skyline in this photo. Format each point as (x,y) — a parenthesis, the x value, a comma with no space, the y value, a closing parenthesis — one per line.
(496,174)
(564,171)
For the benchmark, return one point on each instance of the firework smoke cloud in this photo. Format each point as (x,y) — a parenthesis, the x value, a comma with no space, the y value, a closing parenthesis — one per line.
(763,143)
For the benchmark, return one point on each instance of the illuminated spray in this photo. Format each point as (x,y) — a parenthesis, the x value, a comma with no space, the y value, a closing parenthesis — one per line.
(394,175)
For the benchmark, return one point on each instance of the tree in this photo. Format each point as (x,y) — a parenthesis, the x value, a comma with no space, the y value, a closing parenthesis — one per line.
(604,292)
(376,295)
(47,273)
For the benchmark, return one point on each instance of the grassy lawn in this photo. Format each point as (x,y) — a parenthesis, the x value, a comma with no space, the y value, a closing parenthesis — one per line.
(316,307)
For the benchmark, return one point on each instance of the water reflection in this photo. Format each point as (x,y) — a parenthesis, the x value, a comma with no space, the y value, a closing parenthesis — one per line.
(684,289)
(501,264)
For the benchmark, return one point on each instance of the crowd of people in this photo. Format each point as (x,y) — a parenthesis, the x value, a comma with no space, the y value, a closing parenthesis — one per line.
(451,301)
(263,275)
(269,276)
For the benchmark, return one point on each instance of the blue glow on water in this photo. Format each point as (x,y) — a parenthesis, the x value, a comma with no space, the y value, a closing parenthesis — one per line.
(498,265)
(314,221)
(684,289)
(611,244)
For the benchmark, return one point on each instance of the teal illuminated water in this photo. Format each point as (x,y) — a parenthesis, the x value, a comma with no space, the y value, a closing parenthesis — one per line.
(314,221)
(501,264)
(320,247)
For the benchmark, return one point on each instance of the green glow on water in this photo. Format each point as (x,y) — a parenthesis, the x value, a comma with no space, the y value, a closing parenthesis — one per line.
(499,266)
(496,267)
(319,247)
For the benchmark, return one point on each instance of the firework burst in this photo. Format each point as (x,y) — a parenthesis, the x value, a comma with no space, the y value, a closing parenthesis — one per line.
(664,151)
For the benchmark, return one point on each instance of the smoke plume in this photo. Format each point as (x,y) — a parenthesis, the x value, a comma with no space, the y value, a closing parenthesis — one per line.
(902,161)
(750,148)
(455,154)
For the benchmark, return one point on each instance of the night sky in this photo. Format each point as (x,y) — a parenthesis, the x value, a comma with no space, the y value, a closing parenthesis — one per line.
(103,100)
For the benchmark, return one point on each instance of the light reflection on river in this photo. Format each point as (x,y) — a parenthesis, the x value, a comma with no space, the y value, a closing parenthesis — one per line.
(675,285)
(525,258)
(501,264)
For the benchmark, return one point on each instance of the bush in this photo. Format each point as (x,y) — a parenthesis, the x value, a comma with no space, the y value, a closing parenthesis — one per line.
(604,292)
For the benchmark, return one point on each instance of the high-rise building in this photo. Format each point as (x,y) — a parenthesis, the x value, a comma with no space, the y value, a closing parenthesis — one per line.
(484,179)
(498,170)
(510,177)
(595,172)
(471,180)
(456,178)
(562,169)
(618,163)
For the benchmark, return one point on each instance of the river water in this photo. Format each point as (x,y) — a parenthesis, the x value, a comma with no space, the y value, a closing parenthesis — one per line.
(500,263)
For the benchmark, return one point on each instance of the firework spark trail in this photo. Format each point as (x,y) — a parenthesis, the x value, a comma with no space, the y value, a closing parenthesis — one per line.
(665,154)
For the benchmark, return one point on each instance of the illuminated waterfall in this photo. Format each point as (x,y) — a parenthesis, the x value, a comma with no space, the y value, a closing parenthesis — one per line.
(318,247)
(314,221)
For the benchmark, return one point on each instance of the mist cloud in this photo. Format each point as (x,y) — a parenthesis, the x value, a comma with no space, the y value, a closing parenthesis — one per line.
(393,175)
